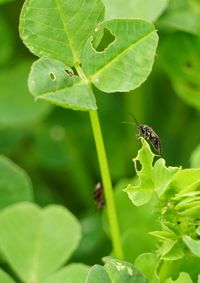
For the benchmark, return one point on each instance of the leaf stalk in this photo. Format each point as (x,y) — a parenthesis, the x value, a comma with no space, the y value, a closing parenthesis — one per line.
(106,179)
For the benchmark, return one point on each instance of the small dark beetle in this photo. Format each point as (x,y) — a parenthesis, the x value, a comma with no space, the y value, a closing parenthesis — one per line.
(98,196)
(148,134)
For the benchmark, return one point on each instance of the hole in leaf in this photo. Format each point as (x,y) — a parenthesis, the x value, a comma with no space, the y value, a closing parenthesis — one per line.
(70,73)
(74,70)
(107,39)
(52,76)
(138,165)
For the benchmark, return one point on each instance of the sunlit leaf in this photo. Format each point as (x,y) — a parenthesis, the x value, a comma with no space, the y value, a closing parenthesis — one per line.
(115,271)
(147,263)
(186,182)
(171,248)
(193,245)
(183,278)
(97,274)
(15,185)
(59,29)
(37,241)
(125,63)
(53,81)
(146,9)
(152,177)
(75,272)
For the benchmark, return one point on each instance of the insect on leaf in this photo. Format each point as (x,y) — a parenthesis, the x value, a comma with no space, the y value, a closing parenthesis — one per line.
(153,177)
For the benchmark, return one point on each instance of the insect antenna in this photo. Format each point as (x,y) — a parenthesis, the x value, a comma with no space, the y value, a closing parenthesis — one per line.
(126,122)
(133,117)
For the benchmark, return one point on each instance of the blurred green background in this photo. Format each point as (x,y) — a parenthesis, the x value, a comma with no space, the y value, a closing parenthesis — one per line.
(56,147)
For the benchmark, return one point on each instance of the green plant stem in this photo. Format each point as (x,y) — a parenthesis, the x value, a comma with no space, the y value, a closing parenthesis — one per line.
(108,191)
(106,180)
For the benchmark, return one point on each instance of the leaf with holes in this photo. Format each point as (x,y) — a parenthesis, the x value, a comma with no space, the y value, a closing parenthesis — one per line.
(125,63)
(53,81)
(37,241)
(59,28)
(153,177)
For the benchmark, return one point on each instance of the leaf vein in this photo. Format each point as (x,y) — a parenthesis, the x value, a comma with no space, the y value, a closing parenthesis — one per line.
(121,54)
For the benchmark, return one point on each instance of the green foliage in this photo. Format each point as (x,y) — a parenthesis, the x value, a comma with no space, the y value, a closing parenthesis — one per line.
(178,202)
(183,278)
(115,271)
(53,81)
(128,48)
(146,9)
(5,1)
(82,54)
(5,278)
(195,157)
(58,35)
(193,245)
(75,272)
(182,15)
(6,47)
(16,105)
(37,241)
(153,177)
(139,221)
(16,188)
(148,263)
(182,66)
(74,47)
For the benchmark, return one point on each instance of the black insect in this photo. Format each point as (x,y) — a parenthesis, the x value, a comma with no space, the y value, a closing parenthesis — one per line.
(98,195)
(148,134)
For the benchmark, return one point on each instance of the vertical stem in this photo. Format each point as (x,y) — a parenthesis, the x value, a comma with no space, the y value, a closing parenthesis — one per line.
(108,191)
(105,175)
